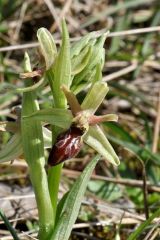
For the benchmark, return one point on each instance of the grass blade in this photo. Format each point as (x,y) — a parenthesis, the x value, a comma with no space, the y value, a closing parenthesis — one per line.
(140,229)
(9,226)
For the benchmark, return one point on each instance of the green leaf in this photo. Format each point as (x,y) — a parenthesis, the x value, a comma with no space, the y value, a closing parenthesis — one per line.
(72,204)
(60,206)
(47,46)
(58,117)
(96,139)
(141,228)
(33,148)
(95,96)
(12,149)
(9,226)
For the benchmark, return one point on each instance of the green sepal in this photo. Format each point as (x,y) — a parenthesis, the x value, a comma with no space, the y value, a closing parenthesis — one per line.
(95,96)
(96,139)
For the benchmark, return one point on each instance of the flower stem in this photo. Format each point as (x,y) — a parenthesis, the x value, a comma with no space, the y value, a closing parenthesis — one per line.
(54,176)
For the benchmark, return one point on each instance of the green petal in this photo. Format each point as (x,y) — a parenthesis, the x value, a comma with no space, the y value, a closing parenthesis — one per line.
(96,139)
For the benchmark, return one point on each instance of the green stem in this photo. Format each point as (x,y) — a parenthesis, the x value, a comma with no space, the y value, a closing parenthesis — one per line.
(53,182)
(40,185)
(58,75)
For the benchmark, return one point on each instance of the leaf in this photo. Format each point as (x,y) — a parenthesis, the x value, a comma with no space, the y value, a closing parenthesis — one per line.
(58,117)
(72,204)
(60,206)
(33,148)
(97,93)
(47,45)
(12,149)
(96,139)
(9,226)
(141,228)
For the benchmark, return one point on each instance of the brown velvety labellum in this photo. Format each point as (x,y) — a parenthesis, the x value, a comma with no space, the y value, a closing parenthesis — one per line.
(67,146)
